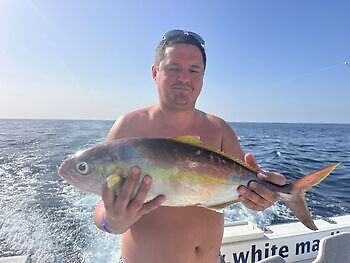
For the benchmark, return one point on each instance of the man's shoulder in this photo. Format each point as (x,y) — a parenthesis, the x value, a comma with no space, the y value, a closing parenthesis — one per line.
(215,120)
(136,116)
(132,124)
(229,139)
(219,124)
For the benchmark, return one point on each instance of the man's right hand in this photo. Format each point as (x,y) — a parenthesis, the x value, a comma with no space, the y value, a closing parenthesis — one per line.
(122,211)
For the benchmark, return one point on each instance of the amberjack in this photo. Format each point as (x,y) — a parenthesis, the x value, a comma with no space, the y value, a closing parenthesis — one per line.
(184,169)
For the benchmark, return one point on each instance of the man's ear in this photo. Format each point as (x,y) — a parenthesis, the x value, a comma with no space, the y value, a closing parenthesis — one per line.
(154,72)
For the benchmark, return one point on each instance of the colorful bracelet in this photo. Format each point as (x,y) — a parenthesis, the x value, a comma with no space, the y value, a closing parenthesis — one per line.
(103,224)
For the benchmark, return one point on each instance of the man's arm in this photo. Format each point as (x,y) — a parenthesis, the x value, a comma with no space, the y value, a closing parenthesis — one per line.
(255,196)
(120,212)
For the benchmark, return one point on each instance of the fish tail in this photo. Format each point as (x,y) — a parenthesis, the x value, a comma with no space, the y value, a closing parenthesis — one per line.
(296,201)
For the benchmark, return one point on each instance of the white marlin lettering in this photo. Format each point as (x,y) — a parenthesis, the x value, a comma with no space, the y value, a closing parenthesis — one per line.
(257,253)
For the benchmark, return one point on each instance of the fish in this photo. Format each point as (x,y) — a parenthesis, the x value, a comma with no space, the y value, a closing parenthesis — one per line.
(184,169)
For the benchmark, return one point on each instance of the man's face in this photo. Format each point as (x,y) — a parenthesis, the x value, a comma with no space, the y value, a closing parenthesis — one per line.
(179,76)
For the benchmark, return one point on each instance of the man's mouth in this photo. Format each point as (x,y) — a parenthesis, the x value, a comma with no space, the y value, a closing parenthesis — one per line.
(183,88)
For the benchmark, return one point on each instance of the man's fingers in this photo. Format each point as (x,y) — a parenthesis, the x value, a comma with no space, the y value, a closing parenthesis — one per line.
(108,197)
(141,195)
(250,159)
(272,177)
(152,205)
(260,201)
(264,193)
(256,196)
(128,187)
(249,204)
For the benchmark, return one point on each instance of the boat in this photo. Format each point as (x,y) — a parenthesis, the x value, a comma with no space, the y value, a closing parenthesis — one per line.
(244,242)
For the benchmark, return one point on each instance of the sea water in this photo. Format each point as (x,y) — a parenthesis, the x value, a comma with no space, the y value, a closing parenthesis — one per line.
(42,215)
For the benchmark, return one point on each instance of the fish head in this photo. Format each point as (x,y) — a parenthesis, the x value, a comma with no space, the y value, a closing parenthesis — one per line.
(89,169)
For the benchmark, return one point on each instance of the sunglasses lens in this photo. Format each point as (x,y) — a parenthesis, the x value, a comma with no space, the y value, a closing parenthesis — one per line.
(198,37)
(175,33)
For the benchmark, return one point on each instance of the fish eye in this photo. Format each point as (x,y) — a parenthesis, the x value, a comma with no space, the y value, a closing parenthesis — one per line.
(82,167)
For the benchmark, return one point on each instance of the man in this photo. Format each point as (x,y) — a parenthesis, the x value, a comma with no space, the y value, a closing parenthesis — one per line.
(154,233)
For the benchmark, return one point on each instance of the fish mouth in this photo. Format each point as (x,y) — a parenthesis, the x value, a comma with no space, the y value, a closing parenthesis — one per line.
(62,171)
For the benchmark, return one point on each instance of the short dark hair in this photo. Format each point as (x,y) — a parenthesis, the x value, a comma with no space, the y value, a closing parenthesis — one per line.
(181,39)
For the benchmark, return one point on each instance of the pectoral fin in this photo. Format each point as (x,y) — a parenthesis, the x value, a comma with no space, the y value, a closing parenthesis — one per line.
(113,180)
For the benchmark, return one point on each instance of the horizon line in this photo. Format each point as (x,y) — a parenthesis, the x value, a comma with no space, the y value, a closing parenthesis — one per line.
(271,122)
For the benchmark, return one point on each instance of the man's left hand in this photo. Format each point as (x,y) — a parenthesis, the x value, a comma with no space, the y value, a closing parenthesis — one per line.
(256,196)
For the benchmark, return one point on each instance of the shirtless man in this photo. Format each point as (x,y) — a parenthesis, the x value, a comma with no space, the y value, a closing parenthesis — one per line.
(154,233)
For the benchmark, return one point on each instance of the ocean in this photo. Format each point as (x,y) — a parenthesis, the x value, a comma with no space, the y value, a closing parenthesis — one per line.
(43,216)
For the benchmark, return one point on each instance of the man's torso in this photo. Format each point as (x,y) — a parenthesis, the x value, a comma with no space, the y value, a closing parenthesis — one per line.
(168,234)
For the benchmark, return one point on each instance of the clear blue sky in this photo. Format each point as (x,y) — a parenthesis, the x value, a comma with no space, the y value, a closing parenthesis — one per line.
(273,61)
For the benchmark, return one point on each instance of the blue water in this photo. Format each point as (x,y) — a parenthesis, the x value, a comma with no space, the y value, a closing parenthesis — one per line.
(43,216)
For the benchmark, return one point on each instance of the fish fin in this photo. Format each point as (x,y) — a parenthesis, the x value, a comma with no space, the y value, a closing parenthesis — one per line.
(306,182)
(113,180)
(222,206)
(300,209)
(196,141)
(295,200)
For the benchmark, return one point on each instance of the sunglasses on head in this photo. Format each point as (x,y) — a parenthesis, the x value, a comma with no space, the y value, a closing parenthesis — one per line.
(172,34)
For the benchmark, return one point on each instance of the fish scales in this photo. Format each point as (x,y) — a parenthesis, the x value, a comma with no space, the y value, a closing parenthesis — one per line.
(202,176)
(193,175)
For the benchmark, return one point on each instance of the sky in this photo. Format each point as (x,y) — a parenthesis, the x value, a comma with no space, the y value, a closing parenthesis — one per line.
(268,61)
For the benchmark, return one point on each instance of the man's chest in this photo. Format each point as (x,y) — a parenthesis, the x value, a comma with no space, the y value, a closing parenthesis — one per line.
(211,136)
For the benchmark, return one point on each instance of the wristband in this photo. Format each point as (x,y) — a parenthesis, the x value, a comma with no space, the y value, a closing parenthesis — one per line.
(103,224)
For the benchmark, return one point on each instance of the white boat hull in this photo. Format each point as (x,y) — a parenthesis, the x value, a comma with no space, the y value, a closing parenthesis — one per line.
(244,242)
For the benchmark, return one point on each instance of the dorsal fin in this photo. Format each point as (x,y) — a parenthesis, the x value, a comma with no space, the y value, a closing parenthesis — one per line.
(196,141)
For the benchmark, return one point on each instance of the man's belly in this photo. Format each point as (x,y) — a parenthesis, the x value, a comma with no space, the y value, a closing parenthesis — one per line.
(169,234)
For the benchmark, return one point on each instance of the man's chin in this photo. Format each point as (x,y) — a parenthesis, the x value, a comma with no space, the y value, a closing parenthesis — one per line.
(183,105)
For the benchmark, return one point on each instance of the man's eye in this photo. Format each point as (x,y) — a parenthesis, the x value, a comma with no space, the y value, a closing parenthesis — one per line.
(173,69)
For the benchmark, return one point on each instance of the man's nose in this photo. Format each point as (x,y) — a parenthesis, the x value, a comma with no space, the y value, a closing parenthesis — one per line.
(184,76)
